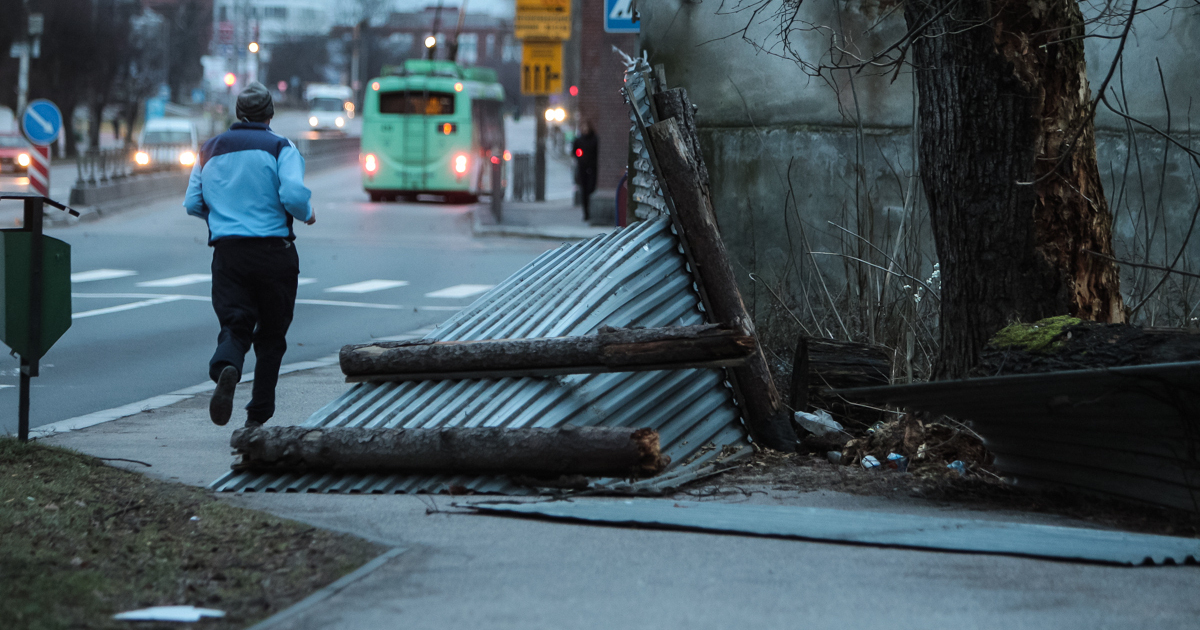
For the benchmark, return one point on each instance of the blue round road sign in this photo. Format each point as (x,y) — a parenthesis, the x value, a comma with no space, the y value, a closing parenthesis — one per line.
(42,122)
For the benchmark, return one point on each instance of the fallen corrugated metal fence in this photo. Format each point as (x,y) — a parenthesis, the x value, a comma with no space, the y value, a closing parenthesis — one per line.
(1128,432)
(635,277)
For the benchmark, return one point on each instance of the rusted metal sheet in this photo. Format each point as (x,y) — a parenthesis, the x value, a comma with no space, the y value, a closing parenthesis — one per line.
(634,277)
(1130,432)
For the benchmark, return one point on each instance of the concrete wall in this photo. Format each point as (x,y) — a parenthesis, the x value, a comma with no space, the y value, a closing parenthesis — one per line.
(845,143)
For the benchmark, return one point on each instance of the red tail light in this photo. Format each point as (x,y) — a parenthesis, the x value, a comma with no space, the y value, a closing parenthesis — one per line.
(460,164)
(369,163)
(578,152)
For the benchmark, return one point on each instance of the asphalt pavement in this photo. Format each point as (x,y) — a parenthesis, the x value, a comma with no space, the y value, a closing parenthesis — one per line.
(143,325)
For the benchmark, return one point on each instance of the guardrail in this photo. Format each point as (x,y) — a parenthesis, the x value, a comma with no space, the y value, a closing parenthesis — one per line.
(97,167)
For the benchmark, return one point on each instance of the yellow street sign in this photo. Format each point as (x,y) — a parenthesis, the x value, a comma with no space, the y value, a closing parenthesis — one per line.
(543,19)
(541,68)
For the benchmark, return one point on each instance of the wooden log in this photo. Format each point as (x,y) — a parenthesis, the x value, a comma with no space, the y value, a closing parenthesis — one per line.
(590,451)
(762,406)
(824,364)
(610,350)
(675,104)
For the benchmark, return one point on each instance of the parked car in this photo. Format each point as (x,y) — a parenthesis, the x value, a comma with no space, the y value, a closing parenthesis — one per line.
(14,153)
(167,143)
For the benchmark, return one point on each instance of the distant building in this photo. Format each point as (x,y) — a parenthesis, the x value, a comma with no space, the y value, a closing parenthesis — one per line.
(239,22)
(485,40)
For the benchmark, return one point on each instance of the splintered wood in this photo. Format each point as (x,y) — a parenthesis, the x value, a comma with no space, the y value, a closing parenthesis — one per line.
(589,451)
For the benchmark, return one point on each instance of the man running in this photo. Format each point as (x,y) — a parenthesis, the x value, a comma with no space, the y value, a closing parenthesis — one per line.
(248,185)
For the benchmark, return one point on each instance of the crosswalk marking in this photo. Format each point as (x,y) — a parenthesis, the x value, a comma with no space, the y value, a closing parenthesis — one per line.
(178,281)
(460,291)
(303,281)
(367,286)
(101,274)
(126,307)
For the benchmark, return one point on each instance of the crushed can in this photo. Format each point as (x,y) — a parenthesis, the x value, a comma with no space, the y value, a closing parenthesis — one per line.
(897,462)
(870,463)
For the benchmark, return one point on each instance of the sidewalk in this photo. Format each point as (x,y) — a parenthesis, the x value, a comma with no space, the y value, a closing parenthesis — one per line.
(450,568)
(553,219)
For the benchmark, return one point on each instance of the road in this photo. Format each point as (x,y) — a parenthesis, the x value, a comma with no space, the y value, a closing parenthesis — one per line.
(143,324)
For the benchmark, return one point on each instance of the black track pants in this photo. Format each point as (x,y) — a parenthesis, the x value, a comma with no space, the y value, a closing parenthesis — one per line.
(254,295)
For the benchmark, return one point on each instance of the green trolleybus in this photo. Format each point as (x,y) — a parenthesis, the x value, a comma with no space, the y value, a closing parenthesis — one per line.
(432,127)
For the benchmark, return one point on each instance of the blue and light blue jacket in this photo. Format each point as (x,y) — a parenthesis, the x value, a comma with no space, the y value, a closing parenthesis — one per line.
(248,183)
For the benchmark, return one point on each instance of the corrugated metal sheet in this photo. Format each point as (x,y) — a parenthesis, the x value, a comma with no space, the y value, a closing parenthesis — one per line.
(1131,432)
(643,185)
(634,277)
(874,528)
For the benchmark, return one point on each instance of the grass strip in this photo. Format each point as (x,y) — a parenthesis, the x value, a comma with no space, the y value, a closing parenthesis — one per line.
(81,541)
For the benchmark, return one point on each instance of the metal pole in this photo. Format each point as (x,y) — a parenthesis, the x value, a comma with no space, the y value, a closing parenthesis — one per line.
(539,159)
(497,187)
(29,367)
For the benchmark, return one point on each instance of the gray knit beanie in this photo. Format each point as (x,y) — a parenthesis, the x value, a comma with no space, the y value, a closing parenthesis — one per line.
(254,103)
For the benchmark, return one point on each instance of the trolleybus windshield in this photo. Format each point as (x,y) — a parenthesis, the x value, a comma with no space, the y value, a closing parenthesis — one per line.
(416,102)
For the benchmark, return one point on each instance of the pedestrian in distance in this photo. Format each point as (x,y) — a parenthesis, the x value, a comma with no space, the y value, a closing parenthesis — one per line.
(248,185)
(586,148)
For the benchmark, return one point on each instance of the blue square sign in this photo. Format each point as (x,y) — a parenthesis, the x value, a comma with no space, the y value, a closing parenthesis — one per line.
(618,17)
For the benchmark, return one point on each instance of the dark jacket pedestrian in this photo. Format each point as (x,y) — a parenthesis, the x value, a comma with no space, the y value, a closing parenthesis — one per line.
(586,148)
(248,185)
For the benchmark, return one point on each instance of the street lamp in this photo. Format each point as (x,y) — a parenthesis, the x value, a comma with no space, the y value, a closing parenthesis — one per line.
(230,79)
(253,47)
(430,41)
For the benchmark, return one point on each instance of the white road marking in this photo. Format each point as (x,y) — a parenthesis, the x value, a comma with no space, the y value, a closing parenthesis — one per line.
(303,281)
(3,386)
(126,307)
(460,291)
(367,286)
(178,281)
(101,274)
(140,296)
(390,307)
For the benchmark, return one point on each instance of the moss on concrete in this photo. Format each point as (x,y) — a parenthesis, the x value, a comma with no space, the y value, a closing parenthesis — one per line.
(1041,336)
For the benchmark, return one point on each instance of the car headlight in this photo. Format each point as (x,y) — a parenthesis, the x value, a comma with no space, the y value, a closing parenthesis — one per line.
(142,158)
(187,158)
(23,159)
(312,121)
(340,121)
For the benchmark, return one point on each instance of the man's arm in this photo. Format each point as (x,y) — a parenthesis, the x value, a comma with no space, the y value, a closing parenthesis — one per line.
(193,201)
(292,192)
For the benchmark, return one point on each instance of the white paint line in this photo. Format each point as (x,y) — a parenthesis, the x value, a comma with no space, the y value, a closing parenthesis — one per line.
(125,307)
(101,274)
(178,281)
(303,281)
(460,291)
(390,307)
(409,336)
(4,386)
(141,296)
(108,415)
(367,286)
(438,308)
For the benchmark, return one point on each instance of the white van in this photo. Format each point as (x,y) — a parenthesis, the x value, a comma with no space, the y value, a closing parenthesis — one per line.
(330,107)
(166,143)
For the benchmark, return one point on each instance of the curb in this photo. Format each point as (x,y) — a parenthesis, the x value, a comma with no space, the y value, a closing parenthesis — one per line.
(556,233)
(309,602)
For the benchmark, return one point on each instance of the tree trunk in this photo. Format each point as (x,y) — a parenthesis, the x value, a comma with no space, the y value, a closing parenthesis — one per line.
(1008,162)
(590,451)
(610,350)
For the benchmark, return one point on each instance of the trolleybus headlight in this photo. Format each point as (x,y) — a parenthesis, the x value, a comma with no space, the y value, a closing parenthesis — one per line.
(341,122)
(312,121)
(187,158)
(23,159)
(457,87)
(507,155)
(142,158)
(369,164)
(460,164)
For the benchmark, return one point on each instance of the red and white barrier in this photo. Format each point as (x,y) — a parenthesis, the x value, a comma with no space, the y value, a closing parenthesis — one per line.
(39,170)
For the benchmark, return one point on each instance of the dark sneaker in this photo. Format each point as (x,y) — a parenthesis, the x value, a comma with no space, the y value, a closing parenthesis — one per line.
(221,405)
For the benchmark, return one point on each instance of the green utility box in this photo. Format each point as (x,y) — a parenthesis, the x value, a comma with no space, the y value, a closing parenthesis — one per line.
(14,291)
